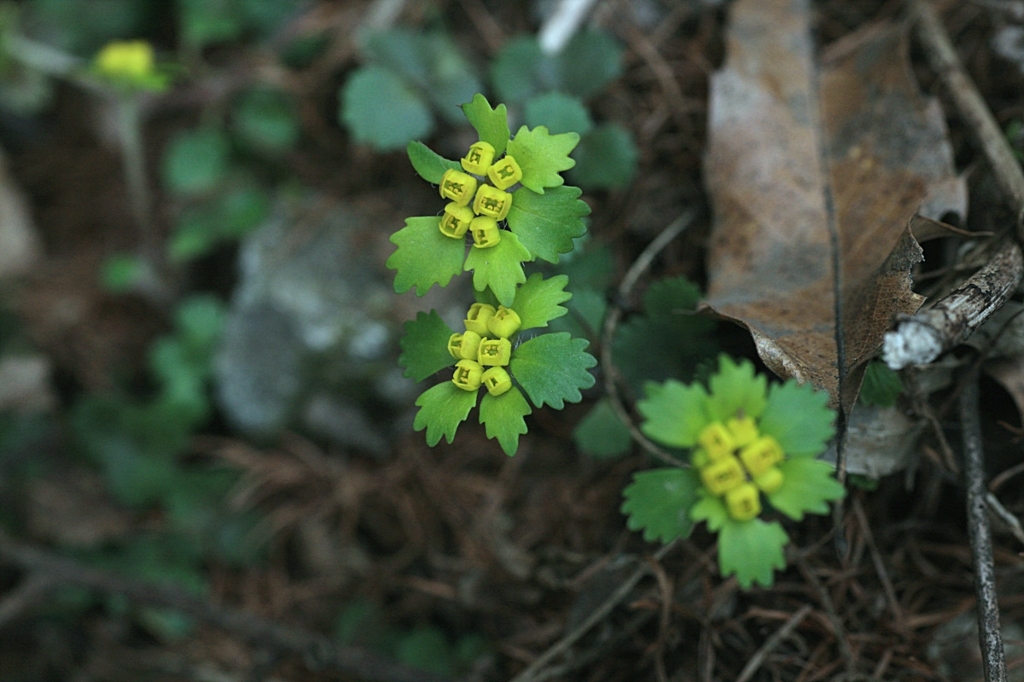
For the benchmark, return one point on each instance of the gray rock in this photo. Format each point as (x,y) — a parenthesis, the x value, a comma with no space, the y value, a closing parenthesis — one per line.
(311,338)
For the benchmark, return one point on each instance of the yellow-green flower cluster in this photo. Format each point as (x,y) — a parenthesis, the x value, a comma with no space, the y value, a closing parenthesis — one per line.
(129,63)
(474,206)
(738,463)
(484,350)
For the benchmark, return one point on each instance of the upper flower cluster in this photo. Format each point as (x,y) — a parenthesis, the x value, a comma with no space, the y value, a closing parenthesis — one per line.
(476,207)
(130,64)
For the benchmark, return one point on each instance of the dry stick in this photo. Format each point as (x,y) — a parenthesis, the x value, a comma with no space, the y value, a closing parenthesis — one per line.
(772,642)
(611,322)
(830,611)
(532,672)
(317,651)
(924,336)
(993,658)
(24,597)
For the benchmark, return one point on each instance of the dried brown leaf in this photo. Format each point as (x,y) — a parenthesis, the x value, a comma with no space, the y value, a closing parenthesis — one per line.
(775,125)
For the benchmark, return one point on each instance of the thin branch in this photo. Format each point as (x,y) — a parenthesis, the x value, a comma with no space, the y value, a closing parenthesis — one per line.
(532,672)
(317,651)
(971,106)
(562,25)
(772,642)
(611,322)
(924,336)
(993,658)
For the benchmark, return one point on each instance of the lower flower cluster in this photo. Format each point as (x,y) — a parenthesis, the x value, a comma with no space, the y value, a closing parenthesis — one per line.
(738,463)
(484,349)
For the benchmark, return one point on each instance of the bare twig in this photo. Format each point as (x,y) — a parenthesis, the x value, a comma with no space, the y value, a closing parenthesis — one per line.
(317,651)
(772,642)
(532,672)
(562,25)
(23,597)
(922,337)
(611,323)
(993,658)
(971,106)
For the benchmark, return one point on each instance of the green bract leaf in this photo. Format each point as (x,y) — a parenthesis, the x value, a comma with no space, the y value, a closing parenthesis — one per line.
(552,368)
(425,346)
(442,408)
(881,385)
(546,224)
(380,109)
(424,257)
(537,300)
(542,156)
(490,124)
(503,418)
(560,113)
(735,388)
(807,487)
(711,510)
(428,164)
(752,550)
(499,267)
(601,433)
(798,417)
(674,413)
(605,158)
(659,501)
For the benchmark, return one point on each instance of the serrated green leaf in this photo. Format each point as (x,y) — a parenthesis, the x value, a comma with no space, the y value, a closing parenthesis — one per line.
(674,413)
(537,301)
(591,60)
(799,418)
(752,550)
(589,307)
(499,267)
(808,485)
(442,408)
(424,256)
(736,388)
(542,156)
(676,298)
(428,164)
(425,346)
(711,510)
(552,368)
(601,434)
(606,158)
(560,113)
(881,385)
(502,417)
(490,124)
(659,502)
(546,224)
(379,109)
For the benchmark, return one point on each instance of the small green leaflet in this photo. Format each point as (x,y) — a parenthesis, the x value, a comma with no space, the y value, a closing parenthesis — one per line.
(735,388)
(798,417)
(807,487)
(752,550)
(424,257)
(442,408)
(499,267)
(542,156)
(711,510)
(659,501)
(490,124)
(552,368)
(428,164)
(425,346)
(502,416)
(601,434)
(881,385)
(546,224)
(674,413)
(537,301)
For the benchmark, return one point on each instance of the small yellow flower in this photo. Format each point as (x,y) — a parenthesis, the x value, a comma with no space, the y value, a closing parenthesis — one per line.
(131,59)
